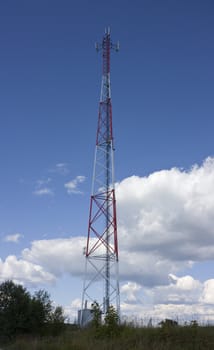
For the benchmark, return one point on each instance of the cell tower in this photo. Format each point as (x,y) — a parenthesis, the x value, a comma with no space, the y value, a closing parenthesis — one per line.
(101,283)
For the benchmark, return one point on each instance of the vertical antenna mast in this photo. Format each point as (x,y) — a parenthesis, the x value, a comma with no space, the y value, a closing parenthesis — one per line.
(101,281)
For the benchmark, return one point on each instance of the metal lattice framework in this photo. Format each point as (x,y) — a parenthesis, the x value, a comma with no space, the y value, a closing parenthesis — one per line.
(101,281)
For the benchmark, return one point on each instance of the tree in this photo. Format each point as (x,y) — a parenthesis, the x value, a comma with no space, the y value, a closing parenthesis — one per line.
(46,318)
(41,310)
(168,323)
(21,313)
(110,327)
(57,321)
(111,322)
(15,309)
(167,327)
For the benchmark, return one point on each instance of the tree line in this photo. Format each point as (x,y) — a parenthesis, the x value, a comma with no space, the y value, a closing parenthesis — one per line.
(24,314)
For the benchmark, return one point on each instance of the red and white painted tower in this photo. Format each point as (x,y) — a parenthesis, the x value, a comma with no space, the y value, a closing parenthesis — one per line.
(101,283)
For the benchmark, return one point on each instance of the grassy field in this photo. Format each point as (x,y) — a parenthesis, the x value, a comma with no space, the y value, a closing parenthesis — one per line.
(128,338)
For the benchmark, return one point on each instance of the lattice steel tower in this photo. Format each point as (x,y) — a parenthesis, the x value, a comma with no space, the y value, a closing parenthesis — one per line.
(101,281)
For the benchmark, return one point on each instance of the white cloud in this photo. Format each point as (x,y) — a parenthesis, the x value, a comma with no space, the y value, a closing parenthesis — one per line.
(58,256)
(130,290)
(24,271)
(180,290)
(186,283)
(72,186)
(13,238)
(45,191)
(166,219)
(42,188)
(165,225)
(72,309)
(208,292)
(180,299)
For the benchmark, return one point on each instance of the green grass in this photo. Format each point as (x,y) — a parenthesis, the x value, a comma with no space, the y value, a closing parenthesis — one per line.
(166,338)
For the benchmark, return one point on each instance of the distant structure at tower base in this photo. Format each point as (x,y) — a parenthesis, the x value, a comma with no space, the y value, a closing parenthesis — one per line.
(85,316)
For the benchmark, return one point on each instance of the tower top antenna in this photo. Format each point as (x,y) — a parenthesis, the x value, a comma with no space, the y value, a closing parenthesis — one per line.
(107,30)
(100,46)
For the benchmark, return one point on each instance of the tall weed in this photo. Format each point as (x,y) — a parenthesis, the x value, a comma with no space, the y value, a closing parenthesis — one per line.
(129,338)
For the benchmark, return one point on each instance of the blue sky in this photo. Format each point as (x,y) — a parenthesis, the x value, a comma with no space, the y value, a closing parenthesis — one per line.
(162,97)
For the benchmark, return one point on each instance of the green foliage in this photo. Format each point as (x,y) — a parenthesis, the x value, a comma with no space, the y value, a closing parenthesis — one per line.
(129,338)
(166,328)
(194,324)
(110,327)
(111,317)
(167,323)
(42,300)
(23,318)
(56,324)
(111,322)
(15,309)
(23,314)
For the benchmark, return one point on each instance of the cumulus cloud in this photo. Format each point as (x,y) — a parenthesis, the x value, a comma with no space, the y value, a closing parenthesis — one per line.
(130,290)
(167,217)
(58,256)
(72,309)
(15,238)
(165,225)
(181,312)
(22,271)
(72,186)
(208,292)
(154,313)
(180,290)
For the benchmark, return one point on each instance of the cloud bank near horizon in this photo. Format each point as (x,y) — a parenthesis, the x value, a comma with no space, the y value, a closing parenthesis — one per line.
(165,225)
